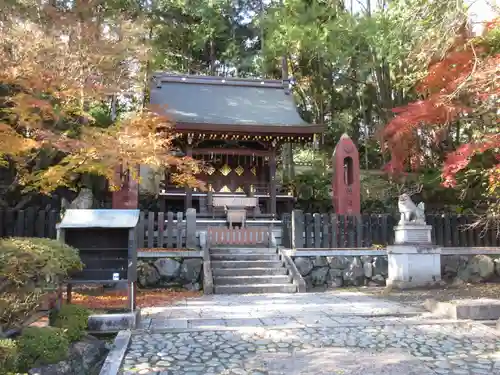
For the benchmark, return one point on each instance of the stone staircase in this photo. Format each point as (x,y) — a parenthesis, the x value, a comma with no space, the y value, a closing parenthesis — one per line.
(239,270)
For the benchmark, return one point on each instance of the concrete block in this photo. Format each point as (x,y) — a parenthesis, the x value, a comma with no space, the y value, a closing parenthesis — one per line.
(413,234)
(113,322)
(473,309)
(413,265)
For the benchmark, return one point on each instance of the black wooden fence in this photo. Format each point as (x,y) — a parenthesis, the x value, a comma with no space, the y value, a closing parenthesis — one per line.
(28,223)
(339,231)
(154,230)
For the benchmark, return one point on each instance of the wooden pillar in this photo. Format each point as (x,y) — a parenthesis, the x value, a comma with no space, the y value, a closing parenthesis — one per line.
(188,203)
(272,179)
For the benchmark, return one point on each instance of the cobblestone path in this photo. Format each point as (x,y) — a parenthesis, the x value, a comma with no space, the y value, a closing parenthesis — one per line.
(329,333)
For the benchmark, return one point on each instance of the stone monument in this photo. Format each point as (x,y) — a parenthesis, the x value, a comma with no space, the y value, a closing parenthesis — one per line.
(127,196)
(413,260)
(346,178)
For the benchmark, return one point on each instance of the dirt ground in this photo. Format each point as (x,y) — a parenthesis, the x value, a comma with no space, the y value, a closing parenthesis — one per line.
(450,293)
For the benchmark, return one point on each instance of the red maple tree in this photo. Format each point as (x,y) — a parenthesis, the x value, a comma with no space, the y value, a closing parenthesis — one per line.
(464,85)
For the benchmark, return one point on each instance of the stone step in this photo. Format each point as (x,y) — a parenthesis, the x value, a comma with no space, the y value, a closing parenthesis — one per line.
(244,257)
(246,264)
(253,279)
(240,247)
(248,271)
(255,288)
(244,250)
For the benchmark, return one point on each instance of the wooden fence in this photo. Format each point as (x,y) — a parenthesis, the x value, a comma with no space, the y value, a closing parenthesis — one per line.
(166,230)
(154,230)
(301,230)
(28,223)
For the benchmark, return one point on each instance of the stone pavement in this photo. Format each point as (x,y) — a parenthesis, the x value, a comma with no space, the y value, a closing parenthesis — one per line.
(343,333)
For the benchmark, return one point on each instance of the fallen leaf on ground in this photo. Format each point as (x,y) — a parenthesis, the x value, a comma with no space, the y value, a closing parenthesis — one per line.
(117,299)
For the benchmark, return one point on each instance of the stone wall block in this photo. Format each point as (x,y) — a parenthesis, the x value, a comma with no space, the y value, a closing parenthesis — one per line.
(304,265)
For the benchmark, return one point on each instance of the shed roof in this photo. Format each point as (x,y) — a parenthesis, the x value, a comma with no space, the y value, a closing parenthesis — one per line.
(76,218)
(193,102)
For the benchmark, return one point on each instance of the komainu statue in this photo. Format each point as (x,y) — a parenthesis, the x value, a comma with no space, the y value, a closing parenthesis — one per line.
(410,213)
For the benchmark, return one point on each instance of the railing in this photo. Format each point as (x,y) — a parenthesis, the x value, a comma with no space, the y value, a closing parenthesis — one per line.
(238,236)
(365,231)
(259,189)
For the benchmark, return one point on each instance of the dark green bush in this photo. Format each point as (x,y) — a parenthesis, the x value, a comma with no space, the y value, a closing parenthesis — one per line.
(28,266)
(39,260)
(8,356)
(73,319)
(41,346)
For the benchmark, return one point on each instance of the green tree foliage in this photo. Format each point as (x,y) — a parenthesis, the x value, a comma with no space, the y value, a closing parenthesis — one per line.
(73,319)
(28,266)
(41,346)
(204,37)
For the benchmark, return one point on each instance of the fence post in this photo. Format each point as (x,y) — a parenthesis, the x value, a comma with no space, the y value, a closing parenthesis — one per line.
(297,229)
(190,228)
(179,228)
(285,231)
(317,230)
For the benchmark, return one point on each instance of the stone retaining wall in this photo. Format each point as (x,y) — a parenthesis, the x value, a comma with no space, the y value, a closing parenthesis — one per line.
(460,269)
(338,271)
(171,272)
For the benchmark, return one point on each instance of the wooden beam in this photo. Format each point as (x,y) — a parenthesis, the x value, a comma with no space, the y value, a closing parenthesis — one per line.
(230,151)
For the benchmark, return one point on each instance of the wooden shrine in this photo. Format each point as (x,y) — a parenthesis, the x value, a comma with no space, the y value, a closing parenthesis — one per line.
(236,128)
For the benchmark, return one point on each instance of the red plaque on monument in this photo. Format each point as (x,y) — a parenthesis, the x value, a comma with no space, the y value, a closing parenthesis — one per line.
(127,197)
(346,178)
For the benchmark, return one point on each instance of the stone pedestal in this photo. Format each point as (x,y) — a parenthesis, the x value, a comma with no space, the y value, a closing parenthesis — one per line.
(413,266)
(409,233)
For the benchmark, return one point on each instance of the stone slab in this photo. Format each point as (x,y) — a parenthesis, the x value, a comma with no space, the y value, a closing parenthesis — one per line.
(169,254)
(114,360)
(412,234)
(113,322)
(472,309)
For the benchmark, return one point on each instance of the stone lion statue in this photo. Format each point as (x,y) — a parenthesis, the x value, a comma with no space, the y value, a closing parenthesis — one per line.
(410,213)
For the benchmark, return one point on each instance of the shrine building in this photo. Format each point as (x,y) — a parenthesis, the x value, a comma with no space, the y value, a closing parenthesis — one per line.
(236,127)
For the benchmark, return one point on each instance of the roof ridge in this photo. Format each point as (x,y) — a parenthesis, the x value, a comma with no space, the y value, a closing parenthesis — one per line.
(161,77)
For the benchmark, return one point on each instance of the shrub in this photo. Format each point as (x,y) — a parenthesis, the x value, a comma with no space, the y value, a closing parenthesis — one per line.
(73,319)
(27,267)
(41,346)
(41,260)
(8,356)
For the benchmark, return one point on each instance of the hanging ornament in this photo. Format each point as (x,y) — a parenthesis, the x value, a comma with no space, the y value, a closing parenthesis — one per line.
(210,170)
(254,170)
(239,170)
(225,169)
